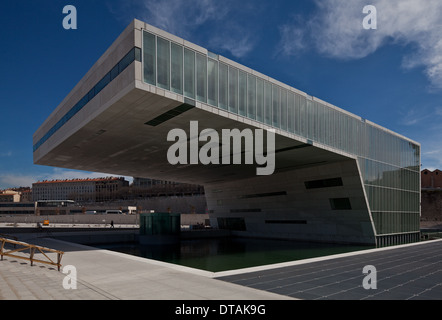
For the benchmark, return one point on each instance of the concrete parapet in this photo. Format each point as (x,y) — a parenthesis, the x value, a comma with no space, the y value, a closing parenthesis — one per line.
(99,219)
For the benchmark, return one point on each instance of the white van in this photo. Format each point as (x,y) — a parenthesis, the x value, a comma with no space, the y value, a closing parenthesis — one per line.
(114,212)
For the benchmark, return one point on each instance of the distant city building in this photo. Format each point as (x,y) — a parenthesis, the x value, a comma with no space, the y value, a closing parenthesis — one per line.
(148,183)
(25,193)
(431,179)
(9,196)
(431,196)
(146,188)
(92,190)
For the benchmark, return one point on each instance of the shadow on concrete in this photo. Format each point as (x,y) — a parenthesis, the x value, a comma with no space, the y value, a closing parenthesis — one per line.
(73,239)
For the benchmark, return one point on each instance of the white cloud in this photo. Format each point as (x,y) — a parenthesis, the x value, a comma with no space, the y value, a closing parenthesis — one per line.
(6,154)
(15,180)
(423,124)
(414,116)
(235,40)
(222,25)
(430,138)
(438,111)
(180,17)
(431,153)
(336,30)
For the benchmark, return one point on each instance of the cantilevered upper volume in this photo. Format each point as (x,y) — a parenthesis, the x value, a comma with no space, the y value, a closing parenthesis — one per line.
(337,177)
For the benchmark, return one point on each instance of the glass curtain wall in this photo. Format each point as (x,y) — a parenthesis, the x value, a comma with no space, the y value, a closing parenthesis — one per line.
(389,164)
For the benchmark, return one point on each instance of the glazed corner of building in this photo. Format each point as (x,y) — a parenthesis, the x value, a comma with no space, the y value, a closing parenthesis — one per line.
(386,164)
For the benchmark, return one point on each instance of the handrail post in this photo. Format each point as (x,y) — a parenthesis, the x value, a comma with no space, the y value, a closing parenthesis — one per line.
(58,260)
(32,248)
(1,249)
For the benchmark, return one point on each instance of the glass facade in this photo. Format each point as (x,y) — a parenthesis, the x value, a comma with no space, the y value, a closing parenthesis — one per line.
(389,164)
(176,73)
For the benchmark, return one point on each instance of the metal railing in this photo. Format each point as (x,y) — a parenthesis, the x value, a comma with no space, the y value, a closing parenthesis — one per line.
(2,235)
(21,247)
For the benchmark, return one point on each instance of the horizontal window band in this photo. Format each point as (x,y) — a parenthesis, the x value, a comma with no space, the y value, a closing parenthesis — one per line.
(263,195)
(234,223)
(293,148)
(324,183)
(169,115)
(244,210)
(286,221)
(133,55)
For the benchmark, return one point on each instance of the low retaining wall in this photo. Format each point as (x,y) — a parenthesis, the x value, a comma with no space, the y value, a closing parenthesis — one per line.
(95,236)
(186,219)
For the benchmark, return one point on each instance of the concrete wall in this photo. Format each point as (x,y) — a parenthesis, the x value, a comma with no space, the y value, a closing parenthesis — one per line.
(301,214)
(186,219)
(184,205)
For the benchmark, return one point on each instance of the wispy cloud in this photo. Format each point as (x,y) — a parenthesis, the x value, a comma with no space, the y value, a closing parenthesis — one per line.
(15,180)
(234,40)
(335,30)
(438,111)
(432,152)
(221,25)
(180,17)
(424,124)
(6,154)
(414,116)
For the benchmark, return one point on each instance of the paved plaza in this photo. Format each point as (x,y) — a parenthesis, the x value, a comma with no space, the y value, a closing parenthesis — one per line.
(406,272)
(411,271)
(103,275)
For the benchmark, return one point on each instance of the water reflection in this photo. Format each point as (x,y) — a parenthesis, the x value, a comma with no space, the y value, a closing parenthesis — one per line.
(231,253)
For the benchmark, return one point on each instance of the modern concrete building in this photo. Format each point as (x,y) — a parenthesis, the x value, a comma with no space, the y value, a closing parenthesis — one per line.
(337,178)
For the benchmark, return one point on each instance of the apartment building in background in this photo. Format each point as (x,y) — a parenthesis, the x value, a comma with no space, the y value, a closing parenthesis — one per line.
(81,190)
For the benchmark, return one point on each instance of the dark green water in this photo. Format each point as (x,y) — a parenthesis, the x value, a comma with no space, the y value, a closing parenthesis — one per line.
(231,253)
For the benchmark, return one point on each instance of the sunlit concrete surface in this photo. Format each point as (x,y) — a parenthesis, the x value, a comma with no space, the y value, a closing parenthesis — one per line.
(104,275)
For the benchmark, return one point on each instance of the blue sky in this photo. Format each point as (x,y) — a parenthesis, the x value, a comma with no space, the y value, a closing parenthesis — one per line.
(391,75)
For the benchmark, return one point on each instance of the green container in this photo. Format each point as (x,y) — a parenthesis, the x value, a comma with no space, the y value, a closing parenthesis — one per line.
(160,223)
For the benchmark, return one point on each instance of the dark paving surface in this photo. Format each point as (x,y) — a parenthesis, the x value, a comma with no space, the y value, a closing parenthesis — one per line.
(403,273)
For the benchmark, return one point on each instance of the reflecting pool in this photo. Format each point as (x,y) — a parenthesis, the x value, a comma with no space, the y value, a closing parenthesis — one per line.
(223,254)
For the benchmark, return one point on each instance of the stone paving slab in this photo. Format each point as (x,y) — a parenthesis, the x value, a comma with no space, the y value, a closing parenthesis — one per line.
(103,275)
(20,281)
